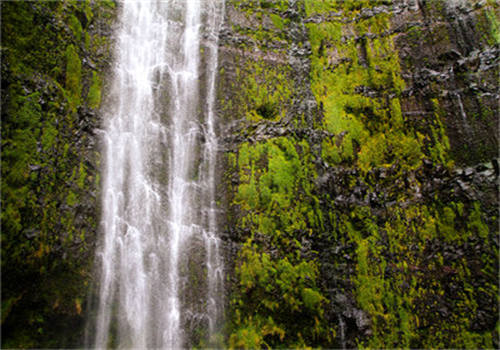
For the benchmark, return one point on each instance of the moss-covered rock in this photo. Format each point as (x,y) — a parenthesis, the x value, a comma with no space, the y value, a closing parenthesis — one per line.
(50,84)
(364,186)
(360,195)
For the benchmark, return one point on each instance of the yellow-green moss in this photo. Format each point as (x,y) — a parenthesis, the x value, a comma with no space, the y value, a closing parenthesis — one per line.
(396,292)
(275,197)
(76,27)
(265,90)
(43,168)
(73,75)
(94,95)
(261,319)
(368,129)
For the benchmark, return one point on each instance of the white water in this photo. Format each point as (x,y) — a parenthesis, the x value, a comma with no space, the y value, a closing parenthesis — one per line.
(160,264)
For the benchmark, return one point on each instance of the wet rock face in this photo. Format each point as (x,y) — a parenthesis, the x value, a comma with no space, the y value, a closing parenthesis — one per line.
(449,50)
(358,167)
(396,102)
(54,59)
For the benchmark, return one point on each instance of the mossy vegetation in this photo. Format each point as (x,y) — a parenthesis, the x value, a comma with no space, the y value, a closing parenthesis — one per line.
(94,95)
(48,218)
(357,82)
(73,76)
(389,260)
(265,23)
(356,79)
(416,299)
(279,210)
(360,217)
(264,91)
(263,86)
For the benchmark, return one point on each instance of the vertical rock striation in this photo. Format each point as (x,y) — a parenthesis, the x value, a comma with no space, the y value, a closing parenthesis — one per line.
(356,161)
(361,156)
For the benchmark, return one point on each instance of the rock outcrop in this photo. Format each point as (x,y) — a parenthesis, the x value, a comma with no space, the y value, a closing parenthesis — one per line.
(54,59)
(358,171)
(361,150)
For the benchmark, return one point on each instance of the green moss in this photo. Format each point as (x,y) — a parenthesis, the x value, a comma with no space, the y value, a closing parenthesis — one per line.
(94,95)
(273,189)
(248,337)
(261,319)
(401,294)
(446,225)
(494,27)
(20,133)
(76,27)
(82,176)
(314,6)
(370,131)
(49,136)
(407,149)
(440,146)
(372,153)
(87,40)
(330,152)
(265,91)
(109,3)
(71,200)
(277,21)
(275,196)
(476,223)
(43,175)
(73,76)
(403,266)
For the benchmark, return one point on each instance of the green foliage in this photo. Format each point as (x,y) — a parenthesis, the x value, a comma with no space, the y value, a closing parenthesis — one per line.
(439,149)
(275,196)
(379,149)
(488,24)
(262,319)
(73,76)
(494,27)
(109,3)
(277,21)
(45,257)
(265,91)
(267,23)
(369,130)
(400,294)
(19,138)
(476,223)
(402,276)
(319,6)
(94,95)
(76,27)
(372,152)
(417,294)
(278,197)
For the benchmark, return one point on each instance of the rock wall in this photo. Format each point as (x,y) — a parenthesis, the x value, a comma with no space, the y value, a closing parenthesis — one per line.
(358,166)
(54,58)
(361,184)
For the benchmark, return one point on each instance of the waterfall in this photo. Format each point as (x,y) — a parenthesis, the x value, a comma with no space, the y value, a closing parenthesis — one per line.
(160,265)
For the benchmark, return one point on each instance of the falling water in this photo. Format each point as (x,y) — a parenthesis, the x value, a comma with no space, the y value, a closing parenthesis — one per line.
(342,331)
(462,111)
(160,264)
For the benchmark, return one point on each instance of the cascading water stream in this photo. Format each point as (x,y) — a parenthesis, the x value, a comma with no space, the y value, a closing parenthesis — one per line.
(160,264)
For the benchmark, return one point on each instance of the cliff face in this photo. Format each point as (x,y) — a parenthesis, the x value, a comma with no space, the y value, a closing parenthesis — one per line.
(361,168)
(54,55)
(358,166)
